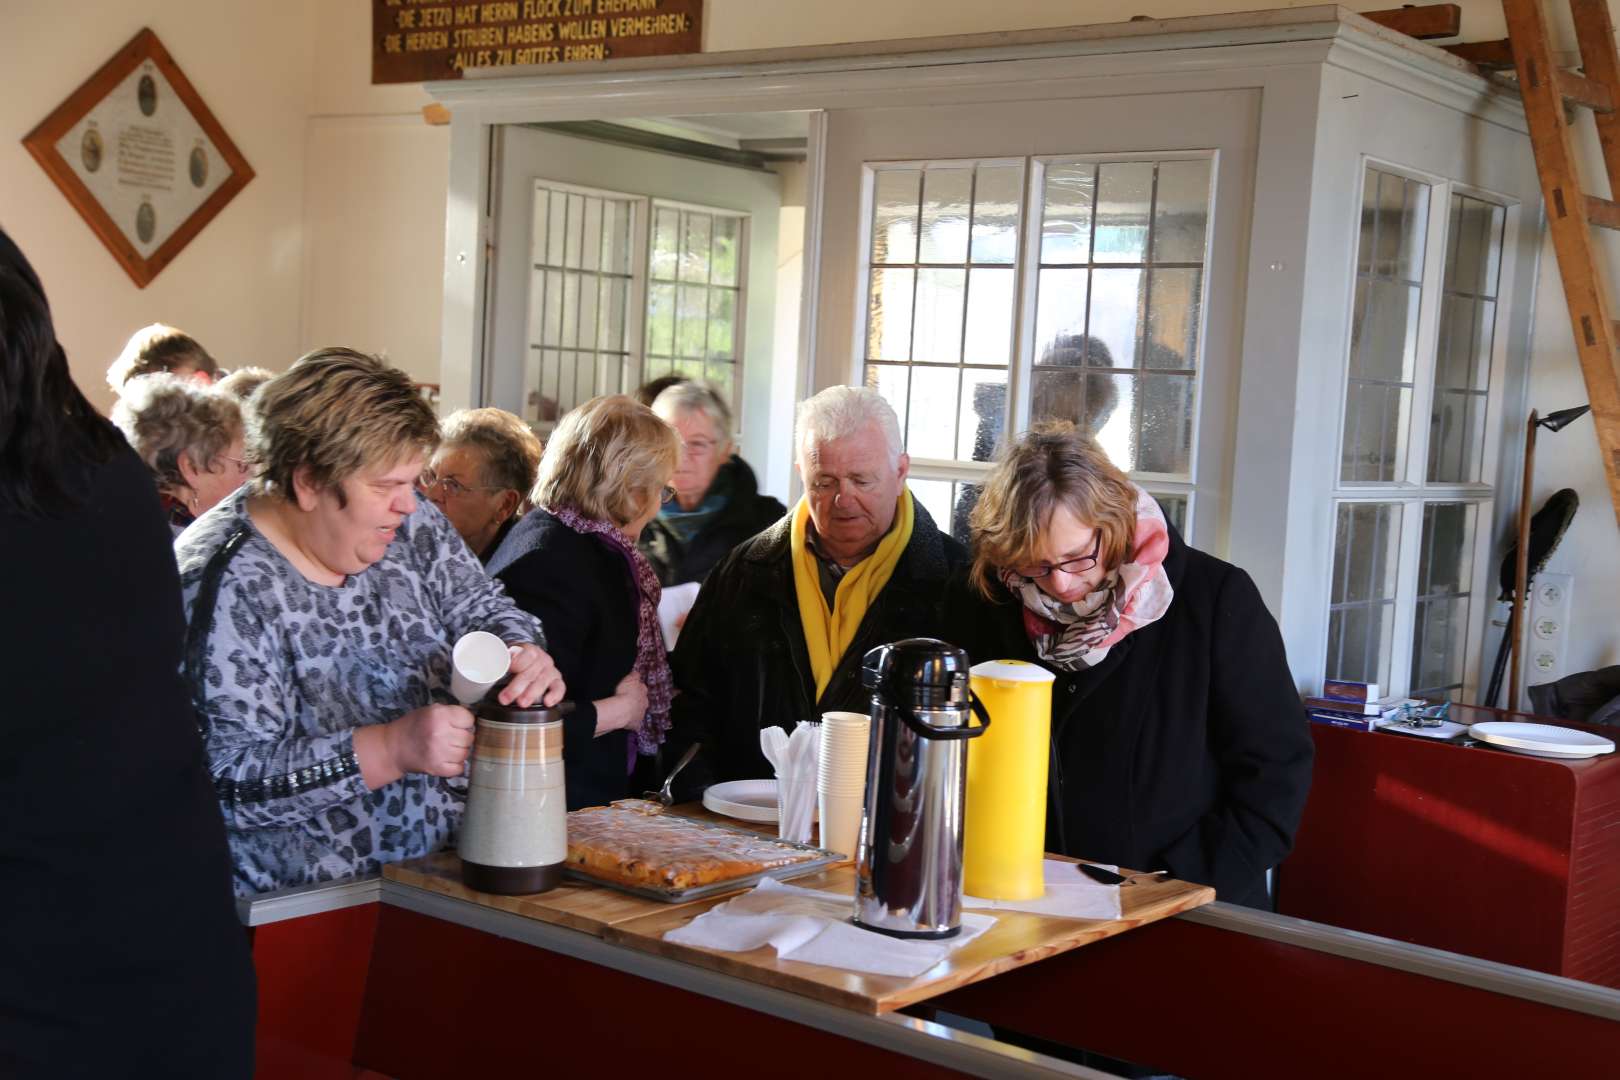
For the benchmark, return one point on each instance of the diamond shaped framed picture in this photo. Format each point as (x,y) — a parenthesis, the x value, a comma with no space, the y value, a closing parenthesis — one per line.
(141,157)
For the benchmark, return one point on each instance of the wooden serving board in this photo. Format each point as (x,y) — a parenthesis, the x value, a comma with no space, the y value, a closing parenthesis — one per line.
(578,905)
(1016,939)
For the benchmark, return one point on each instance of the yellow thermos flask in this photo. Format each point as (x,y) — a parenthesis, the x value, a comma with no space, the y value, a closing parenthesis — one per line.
(1004,832)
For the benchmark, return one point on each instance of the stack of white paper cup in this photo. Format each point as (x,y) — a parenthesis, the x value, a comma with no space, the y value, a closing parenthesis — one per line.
(841,778)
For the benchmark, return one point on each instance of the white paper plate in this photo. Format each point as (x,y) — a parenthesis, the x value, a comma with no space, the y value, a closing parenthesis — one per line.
(745,800)
(1543,740)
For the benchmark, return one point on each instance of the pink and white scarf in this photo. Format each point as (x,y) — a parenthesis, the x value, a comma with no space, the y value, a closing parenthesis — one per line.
(1079,635)
(652,661)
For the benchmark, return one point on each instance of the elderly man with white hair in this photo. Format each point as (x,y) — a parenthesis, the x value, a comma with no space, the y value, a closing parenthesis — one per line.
(782,623)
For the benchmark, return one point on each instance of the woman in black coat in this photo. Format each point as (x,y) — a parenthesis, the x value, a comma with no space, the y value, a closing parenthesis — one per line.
(120,950)
(572,561)
(1178,739)
(717,503)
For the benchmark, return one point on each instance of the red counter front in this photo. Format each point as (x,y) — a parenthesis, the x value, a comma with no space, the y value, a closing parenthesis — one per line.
(1478,851)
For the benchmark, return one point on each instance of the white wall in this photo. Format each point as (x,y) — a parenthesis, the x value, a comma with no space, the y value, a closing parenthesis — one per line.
(374,219)
(237,286)
(374,237)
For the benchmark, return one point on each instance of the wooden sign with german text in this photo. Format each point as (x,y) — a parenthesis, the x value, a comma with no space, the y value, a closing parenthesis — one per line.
(428,40)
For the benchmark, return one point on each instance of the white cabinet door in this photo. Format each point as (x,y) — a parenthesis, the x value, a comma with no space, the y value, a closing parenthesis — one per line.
(984,265)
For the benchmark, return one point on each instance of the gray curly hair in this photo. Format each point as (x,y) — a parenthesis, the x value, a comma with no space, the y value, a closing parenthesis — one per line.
(165,415)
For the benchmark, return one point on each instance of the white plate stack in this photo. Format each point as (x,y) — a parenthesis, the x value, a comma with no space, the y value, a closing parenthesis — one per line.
(1542,740)
(841,778)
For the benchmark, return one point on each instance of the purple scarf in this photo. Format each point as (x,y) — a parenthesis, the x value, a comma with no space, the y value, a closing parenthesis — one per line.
(652,662)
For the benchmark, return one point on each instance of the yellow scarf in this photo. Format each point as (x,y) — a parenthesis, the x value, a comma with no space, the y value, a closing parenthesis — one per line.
(828,634)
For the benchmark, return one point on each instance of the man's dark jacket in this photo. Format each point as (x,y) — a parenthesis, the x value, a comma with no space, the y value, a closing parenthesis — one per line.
(1187,748)
(741,663)
(745,513)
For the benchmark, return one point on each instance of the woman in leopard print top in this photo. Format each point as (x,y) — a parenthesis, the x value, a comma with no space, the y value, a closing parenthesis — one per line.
(324,672)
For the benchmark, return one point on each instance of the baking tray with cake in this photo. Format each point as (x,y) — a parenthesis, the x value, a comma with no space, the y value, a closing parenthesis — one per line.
(635,847)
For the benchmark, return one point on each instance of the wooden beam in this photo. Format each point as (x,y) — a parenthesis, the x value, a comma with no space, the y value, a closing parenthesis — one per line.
(1421,21)
(1579,90)
(1595,33)
(1570,215)
(1603,212)
(1486,54)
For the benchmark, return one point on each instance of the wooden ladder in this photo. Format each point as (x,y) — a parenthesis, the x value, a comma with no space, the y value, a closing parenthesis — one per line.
(1571,212)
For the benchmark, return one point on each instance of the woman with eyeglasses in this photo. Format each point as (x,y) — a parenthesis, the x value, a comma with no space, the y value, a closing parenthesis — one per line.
(717,503)
(190,436)
(1178,740)
(481,474)
(572,561)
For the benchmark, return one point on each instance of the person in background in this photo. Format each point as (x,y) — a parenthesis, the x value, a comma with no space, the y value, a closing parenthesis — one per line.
(1178,739)
(324,600)
(717,502)
(572,561)
(481,474)
(241,383)
(122,953)
(782,623)
(157,348)
(648,392)
(190,436)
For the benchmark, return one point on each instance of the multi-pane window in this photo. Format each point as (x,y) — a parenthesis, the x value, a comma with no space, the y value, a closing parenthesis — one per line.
(1444,587)
(1412,468)
(1361,616)
(694,296)
(605,265)
(578,300)
(1384,327)
(1099,322)
(1462,370)
(941,302)
(1118,305)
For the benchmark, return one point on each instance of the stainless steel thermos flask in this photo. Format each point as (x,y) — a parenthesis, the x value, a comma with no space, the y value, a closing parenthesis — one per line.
(909,858)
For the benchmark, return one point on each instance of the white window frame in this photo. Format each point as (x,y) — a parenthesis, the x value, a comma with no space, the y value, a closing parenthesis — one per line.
(1026,269)
(1411,491)
(643,210)
(740,313)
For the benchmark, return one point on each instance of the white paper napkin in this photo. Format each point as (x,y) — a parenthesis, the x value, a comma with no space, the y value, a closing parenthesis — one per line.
(813,927)
(1069,895)
(795,758)
(673,602)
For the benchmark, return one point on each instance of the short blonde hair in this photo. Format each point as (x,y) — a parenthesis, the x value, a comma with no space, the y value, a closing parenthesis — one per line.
(510,448)
(606,459)
(164,416)
(333,413)
(158,348)
(1048,466)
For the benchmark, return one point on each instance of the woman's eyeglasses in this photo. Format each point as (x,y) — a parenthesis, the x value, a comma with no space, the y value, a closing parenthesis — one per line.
(1080,565)
(453,488)
(666,496)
